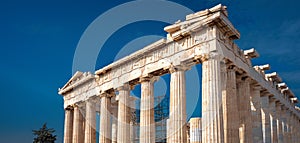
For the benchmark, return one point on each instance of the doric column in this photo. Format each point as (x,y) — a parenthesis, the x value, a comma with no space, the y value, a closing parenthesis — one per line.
(289,126)
(230,107)
(265,115)
(147,123)
(284,124)
(279,123)
(177,106)
(212,128)
(195,130)
(90,123)
(78,124)
(256,114)
(105,125)
(68,125)
(293,132)
(133,120)
(168,130)
(243,88)
(132,132)
(297,129)
(124,114)
(273,121)
(114,128)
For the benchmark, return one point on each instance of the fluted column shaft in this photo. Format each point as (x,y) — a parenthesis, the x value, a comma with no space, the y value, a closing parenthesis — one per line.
(105,125)
(132,122)
(230,108)
(289,123)
(78,124)
(279,124)
(68,125)
(212,129)
(293,133)
(133,132)
(124,115)
(177,107)
(243,88)
(265,115)
(114,125)
(168,130)
(90,124)
(273,121)
(195,130)
(284,125)
(297,129)
(147,124)
(256,115)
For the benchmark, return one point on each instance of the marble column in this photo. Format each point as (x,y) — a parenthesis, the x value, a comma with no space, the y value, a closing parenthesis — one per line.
(123,134)
(230,107)
(105,125)
(90,123)
(297,130)
(133,120)
(147,123)
(195,130)
(293,133)
(78,124)
(68,125)
(114,124)
(289,126)
(279,123)
(243,88)
(132,132)
(212,128)
(168,130)
(177,113)
(256,114)
(284,124)
(265,115)
(273,121)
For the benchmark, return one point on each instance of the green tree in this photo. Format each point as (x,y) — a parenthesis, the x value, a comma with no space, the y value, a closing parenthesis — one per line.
(44,135)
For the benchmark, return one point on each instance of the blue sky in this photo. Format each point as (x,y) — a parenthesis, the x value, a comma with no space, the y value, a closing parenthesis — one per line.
(38,40)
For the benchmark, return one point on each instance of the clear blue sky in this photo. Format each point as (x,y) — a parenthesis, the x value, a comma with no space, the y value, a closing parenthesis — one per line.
(38,40)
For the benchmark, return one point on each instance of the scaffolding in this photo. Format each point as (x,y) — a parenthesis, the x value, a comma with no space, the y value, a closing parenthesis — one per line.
(161,114)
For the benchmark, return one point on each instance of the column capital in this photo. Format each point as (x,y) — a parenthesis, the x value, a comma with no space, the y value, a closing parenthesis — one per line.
(173,68)
(109,94)
(92,101)
(149,78)
(125,86)
(231,67)
(80,104)
(70,107)
(243,78)
(211,55)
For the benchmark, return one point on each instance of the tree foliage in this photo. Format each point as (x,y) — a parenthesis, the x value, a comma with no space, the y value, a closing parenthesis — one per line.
(44,135)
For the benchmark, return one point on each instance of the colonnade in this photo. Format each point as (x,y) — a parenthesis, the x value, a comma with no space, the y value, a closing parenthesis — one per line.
(79,129)
(252,114)
(234,109)
(240,103)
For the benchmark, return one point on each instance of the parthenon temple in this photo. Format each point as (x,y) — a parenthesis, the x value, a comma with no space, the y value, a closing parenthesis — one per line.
(241,102)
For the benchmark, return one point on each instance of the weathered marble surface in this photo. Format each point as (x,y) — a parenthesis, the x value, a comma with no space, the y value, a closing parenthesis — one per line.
(240,103)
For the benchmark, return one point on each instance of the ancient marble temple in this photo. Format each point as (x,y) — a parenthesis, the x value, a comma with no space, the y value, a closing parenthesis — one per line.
(241,102)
